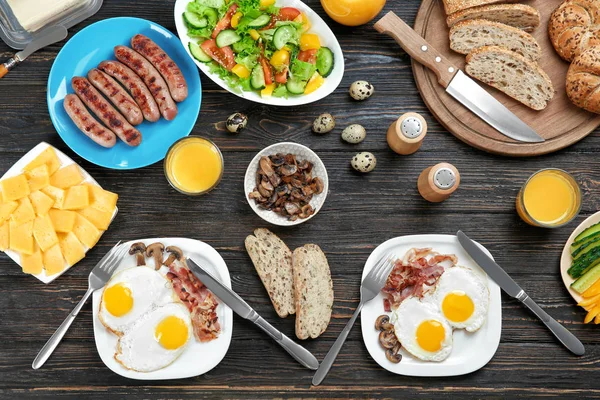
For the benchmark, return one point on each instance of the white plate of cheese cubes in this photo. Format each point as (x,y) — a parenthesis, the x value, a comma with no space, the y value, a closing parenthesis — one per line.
(51,212)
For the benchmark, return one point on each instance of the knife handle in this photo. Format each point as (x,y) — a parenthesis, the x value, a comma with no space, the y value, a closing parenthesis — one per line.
(569,340)
(417,47)
(299,353)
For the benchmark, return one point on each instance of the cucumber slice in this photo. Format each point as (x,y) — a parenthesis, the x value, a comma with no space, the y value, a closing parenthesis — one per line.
(227,37)
(585,248)
(211,3)
(295,86)
(260,22)
(282,35)
(588,232)
(324,61)
(580,243)
(194,20)
(581,266)
(198,53)
(257,79)
(587,280)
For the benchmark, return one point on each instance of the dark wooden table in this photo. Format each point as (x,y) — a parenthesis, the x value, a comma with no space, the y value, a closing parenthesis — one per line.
(361,212)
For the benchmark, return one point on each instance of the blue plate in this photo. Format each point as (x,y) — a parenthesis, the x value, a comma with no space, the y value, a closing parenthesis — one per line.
(85,51)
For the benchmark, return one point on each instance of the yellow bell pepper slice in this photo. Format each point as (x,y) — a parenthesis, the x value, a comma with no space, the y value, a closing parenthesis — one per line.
(589,301)
(268,90)
(593,290)
(309,41)
(303,19)
(592,314)
(241,71)
(315,82)
(254,34)
(266,3)
(235,20)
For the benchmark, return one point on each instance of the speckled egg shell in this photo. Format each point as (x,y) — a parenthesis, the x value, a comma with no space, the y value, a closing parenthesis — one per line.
(236,122)
(364,162)
(354,133)
(361,90)
(323,123)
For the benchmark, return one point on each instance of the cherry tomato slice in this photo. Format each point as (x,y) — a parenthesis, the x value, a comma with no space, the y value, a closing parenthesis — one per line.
(281,77)
(225,22)
(309,56)
(267,71)
(223,55)
(288,13)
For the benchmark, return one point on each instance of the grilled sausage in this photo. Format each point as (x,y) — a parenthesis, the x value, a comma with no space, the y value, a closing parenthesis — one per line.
(87,123)
(136,87)
(105,112)
(117,95)
(152,79)
(164,64)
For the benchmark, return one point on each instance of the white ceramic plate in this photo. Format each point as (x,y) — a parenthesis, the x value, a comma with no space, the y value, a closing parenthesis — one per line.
(319,27)
(198,358)
(470,351)
(17,169)
(302,153)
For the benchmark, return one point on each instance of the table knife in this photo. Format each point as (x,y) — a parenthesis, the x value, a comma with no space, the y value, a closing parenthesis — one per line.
(514,290)
(242,309)
(45,38)
(457,84)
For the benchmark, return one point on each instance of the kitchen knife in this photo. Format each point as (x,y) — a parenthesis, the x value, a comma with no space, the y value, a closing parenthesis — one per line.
(44,38)
(514,290)
(457,84)
(242,309)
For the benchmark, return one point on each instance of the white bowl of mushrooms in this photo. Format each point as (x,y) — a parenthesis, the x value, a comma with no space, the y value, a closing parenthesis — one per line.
(286,184)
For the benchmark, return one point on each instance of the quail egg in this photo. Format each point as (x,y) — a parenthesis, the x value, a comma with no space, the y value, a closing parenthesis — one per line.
(323,123)
(236,122)
(361,90)
(354,133)
(364,162)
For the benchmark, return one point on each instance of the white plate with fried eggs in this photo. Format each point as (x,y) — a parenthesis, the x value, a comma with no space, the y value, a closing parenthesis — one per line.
(462,351)
(139,344)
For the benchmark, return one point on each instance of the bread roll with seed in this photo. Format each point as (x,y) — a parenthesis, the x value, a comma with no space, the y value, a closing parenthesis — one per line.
(573,27)
(520,16)
(583,80)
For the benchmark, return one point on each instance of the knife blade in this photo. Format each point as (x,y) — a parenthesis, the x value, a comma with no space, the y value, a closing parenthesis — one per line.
(514,290)
(457,84)
(241,308)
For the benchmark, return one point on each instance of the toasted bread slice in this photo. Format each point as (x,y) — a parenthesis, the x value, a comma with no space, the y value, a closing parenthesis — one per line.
(273,262)
(520,16)
(452,6)
(314,291)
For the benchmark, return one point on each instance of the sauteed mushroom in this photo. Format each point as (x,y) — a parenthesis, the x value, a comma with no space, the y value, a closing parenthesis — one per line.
(382,319)
(175,253)
(387,339)
(393,355)
(138,249)
(156,250)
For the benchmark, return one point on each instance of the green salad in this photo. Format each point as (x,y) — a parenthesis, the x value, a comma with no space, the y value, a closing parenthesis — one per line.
(255,46)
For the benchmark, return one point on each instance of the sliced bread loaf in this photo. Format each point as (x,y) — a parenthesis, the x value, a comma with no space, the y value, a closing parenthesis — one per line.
(512,74)
(314,291)
(469,35)
(453,6)
(520,16)
(273,262)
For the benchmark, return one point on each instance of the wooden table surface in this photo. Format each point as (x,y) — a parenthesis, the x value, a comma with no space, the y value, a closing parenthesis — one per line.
(361,212)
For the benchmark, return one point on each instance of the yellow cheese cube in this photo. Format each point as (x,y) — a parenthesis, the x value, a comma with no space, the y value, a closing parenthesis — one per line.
(66,177)
(32,264)
(38,178)
(41,202)
(14,188)
(62,220)
(100,219)
(76,198)
(43,232)
(24,212)
(48,157)
(53,260)
(4,236)
(86,232)
(71,248)
(6,209)
(57,194)
(101,199)
(21,237)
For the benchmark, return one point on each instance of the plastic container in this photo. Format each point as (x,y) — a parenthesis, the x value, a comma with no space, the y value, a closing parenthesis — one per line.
(20,20)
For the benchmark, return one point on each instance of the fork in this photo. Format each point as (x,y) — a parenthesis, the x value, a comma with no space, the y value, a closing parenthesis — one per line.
(370,287)
(97,279)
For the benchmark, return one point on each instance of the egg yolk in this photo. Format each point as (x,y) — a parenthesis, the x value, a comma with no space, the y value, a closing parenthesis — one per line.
(430,335)
(457,306)
(118,299)
(171,332)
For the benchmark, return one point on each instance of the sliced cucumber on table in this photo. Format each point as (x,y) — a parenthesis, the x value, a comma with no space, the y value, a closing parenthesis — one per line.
(282,36)
(587,280)
(194,20)
(295,86)
(325,61)
(257,78)
(227,37)
(260,22)
(198,53)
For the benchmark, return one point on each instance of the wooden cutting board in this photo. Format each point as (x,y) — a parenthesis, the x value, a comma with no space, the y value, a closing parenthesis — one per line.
(561,123)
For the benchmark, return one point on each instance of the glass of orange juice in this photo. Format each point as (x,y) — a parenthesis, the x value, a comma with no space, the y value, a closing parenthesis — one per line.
(194,165)
(550,198)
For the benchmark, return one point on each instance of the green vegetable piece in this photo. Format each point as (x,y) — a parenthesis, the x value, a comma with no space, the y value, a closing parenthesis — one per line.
(194,20)
(587,280)
(285,34)
(583,249)
(204,12)
(211,3)
(588,231)
(257,78)
(227,37)
(325,61)
(198,53)
(302,70)
(295,85)
(580,266)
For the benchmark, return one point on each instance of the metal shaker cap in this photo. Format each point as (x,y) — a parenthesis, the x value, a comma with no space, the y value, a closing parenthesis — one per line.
(411,127)
(444,178)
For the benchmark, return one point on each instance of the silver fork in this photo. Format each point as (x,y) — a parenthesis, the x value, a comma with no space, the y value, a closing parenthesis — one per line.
(370,287)
(97,279)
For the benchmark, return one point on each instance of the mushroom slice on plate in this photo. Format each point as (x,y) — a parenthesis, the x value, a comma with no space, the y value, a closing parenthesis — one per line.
(156,250)
(138,249)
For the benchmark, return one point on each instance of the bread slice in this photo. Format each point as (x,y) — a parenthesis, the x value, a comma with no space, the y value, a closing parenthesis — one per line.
(314,291)
(453,6)
(273,262)
(469,35)
(520,16)
(512,74)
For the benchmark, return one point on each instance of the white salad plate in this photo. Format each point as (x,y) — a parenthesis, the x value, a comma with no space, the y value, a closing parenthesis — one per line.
(17,169)
(470,351)
(197,358)
(318,27)
(302,153)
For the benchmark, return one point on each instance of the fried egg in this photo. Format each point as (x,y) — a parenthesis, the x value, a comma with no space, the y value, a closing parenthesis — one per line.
(131,293)
(463,297)
(422,330)
(156,339)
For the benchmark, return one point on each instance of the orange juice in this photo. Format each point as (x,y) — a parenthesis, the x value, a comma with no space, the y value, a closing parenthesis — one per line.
(550,198)
(194,165)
